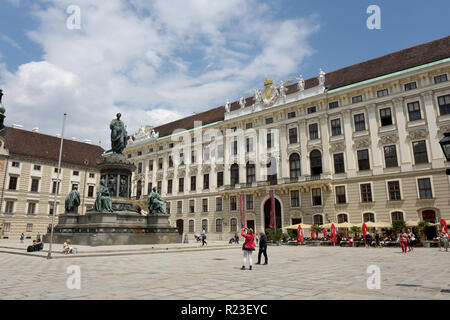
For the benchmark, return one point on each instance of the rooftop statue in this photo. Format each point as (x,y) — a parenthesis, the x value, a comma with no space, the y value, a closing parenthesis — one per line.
(103,202)
(72,201)
(118,135)
(321,77)
(227,106)
(155,203)
(2,111)
(301,83)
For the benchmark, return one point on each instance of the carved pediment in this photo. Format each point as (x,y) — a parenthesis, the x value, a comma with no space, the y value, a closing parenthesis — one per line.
(417,134)
(361,143)
(388,139)
(337,147)
(206,168)
(159,175)
(311,147)
(193,170)
(181,172)
(170,174)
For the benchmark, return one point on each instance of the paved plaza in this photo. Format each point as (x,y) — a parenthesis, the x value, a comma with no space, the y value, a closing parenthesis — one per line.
(188,271)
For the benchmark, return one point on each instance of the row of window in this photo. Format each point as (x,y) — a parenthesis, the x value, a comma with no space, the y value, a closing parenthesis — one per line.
(393,191)
(219,204)
(218,225)
(35,186)
(7,227)
(36,167)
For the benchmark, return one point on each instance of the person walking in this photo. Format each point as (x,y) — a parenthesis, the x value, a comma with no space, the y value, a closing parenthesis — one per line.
(262,248)
(411,240)
(204,237)
(443,240)
(368,240)
(21,238)
(248,246)
(404,240)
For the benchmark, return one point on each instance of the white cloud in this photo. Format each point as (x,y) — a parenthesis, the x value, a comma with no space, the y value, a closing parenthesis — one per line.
(152,61)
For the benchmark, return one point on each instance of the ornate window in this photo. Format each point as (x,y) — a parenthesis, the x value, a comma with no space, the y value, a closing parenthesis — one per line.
(294,165)
(342,218)
(369,217)
(390,156)
(250,170)
(315,158)
(234,174)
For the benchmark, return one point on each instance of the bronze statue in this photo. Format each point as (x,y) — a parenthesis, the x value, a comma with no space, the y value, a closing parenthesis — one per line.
(72,201)
(155,203)
(118,135)
(103,202)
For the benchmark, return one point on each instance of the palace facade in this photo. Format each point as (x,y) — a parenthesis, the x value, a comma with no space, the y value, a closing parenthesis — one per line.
(357,144)
(29,173)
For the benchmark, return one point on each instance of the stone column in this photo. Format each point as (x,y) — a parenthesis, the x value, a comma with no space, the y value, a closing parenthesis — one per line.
(325,138)
(349,160)
(377,153)
(404,143)
(303,137)
(436,156)
(283,165)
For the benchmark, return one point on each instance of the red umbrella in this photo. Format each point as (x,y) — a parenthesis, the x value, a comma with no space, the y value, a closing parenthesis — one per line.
(364,229)
(333,233)
(300,234)
(312,234)
(325,232)
(444,226)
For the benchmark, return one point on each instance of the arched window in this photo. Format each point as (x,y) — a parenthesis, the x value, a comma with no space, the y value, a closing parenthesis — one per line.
(397,215)
(205,224)
(318,219)
(294,165)
(369,217)
(315,158)
(342,218)
(250,169)
(233,225)
(234,174)
(219,225)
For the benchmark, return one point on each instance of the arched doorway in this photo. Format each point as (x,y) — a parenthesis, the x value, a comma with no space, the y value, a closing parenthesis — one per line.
(180,226)
(267,213)
(431,217)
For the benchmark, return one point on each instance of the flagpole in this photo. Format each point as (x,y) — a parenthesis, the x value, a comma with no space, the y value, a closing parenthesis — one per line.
(49,256)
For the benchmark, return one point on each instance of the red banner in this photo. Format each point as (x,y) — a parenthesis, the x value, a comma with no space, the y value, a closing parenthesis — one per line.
(300,234)
(312,235)
(242,211)
(364,229)
(333,233)
(325,232)
(272,210)
(444,226)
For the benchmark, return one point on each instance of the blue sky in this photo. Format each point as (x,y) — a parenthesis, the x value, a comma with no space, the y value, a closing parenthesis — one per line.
(156,61)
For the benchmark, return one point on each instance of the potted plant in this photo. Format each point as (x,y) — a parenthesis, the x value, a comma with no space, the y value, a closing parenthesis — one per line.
(355,230)
(421,227)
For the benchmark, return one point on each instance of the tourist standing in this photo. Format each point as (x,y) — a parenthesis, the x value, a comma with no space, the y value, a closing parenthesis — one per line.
(404,241)
(368,240)
(21,238)
(443,239)
(248,246)
(204,237)
(262,248)
(411,240)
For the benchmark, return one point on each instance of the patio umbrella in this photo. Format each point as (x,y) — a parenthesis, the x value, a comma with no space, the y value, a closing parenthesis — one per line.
(300,234)
(370,224)
(327,225)
(312,235)
(444,226)
(333,234)
(411,223)
(344,225)
(324,232)
(364,229)
(295,226)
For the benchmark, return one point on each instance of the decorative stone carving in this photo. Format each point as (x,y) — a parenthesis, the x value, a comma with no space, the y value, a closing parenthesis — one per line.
(388,139)
(311,147)
(242,102)
(181,172)
(257,95)
(227,106)
(219,167)
(361,143)
(170,174)
(283,89)
(301,83)
(417,134)
(159,175)
(193,169)
(143,133)
(270,95)
(321,77)
(443,129)
(337,147)
(206,168)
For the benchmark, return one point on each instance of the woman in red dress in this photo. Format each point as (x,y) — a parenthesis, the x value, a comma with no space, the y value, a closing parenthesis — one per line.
(248,246)
(404,241)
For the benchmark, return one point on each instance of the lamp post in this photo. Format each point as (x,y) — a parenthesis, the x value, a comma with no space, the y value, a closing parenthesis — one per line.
(445,145)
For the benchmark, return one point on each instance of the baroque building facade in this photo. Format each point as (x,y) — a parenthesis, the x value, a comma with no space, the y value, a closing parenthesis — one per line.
(357,144)
(29,173)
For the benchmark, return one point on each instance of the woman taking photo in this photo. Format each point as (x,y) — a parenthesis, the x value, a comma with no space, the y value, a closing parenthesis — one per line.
(248,246)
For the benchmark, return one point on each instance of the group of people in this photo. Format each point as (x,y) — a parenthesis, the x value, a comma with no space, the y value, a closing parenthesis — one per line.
(249,246)
(36,246)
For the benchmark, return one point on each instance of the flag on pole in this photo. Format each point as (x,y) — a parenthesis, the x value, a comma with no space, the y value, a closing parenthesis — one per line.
(272,209)
(242,211)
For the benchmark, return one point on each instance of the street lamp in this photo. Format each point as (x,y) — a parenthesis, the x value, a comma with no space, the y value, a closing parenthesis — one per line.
(445,145)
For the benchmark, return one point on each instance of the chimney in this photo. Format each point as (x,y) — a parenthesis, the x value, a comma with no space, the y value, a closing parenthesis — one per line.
(36,129)
(58,135)
(87,141)
(17,126)
(74,139)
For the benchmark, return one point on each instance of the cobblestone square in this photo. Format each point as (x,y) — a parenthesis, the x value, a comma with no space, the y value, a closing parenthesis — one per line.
(214,273)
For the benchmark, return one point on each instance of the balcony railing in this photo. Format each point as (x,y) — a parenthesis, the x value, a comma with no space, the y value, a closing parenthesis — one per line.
(315,177)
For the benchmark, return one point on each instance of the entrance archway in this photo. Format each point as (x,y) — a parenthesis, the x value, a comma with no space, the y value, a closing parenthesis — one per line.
(267,214)
(430,216)
(180,226)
